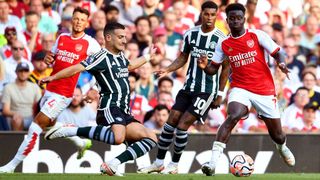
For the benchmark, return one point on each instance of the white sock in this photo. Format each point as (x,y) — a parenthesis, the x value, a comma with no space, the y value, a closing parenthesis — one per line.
(27,145)
(159,162)
(72,131)
(281,146)
(217,150)
(115,161)
(77,141)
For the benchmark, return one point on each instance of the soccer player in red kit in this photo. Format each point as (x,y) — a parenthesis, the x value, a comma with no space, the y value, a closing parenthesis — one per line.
(68,50)
(251,83)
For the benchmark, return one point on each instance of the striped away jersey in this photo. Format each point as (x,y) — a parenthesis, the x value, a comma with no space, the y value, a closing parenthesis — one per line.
(196,43)
(111,73)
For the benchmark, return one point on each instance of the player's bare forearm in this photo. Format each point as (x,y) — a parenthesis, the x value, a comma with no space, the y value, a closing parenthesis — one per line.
(224,75)
(280,59)
(279,56)
(70,71)
(211,69)
(136,63)
(178,63)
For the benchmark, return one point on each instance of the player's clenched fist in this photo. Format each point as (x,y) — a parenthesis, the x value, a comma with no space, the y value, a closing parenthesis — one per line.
(49,58)
(202,61)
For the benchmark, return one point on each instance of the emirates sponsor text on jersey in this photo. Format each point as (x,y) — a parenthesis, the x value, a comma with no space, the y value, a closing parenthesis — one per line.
(243,59)
(66,56)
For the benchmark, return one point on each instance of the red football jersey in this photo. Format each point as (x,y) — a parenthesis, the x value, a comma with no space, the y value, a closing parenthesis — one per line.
(38,46)
(246,55)
(69,51)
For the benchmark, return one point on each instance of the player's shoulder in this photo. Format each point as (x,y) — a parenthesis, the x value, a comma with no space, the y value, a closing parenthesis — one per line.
(101,52)
(257,32)
(89,38)
(193,29)
(218,32)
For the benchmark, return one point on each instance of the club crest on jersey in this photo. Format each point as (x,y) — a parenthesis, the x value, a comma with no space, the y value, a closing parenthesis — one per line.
(250,43)
(78,47)
(212,45)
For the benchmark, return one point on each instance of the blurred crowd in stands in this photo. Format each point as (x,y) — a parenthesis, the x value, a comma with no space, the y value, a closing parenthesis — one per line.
(29,28)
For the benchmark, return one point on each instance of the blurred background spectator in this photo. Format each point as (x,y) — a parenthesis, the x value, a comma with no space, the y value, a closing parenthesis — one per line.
(159,118)
(19,98)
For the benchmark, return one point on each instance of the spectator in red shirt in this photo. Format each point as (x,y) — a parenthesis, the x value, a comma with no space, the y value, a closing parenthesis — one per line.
(18,8)
(32,33)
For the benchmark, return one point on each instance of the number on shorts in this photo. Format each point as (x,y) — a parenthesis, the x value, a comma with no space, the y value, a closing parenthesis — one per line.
(199,103)
(275,102)
(51,103)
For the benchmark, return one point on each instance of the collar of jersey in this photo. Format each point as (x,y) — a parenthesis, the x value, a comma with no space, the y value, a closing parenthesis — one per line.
(239,36)
(205,34)
(115,55)
(77,37)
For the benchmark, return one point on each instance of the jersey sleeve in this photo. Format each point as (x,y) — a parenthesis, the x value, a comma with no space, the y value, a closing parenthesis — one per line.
(185,48)
(94,62)
(94,46)
(55,46)
(266,42)
(218,55)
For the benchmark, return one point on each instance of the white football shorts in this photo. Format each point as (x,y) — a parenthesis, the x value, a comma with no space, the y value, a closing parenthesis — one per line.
(265,105)
(53,104)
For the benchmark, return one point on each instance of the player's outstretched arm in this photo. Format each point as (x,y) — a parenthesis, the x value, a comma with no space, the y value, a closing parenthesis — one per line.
(176,64)
(280,59)
(67,72)
(136,63)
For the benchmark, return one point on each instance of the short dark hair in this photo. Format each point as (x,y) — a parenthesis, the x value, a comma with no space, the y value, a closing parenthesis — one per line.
(309,72)
(310,106)
(235,6)
(81,10)
(165,78)
(135,75)
(209,4)
(110,27)
(110,8)
(140,18)
(160,107)
(301,88)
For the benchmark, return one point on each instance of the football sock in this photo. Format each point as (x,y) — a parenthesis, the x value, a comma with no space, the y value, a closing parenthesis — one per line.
(180,143)
(281,146)
(217,150)
(136,150)
(27,145)
(165,140)
(99,133)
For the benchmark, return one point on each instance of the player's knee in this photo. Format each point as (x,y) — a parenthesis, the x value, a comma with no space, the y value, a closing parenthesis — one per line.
(174,118)
(152,135)
(234,117)
(119,139)
(43,121)
(146,133)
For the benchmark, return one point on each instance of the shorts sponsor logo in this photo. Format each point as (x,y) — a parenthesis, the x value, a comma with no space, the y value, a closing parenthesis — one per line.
(119,119)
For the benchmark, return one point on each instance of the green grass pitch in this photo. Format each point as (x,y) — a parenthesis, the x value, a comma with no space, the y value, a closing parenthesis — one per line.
(132,176)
